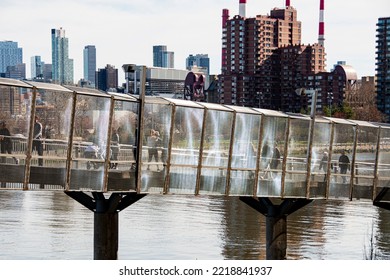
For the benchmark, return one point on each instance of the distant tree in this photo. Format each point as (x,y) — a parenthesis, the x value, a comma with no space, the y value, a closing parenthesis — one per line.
(344,111)
(362,101)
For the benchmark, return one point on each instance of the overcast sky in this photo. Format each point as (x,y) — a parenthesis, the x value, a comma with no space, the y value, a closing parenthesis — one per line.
(124,31)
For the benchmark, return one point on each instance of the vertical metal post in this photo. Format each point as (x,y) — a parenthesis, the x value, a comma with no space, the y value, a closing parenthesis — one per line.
(259,144)
(353,171)
(310,143)
(30,139)
(168,163)
(284,161)
(330,160)
(107,160)
(230,157)
(140,130)
(198,175)
(70,142)
(376,168)
(135,83)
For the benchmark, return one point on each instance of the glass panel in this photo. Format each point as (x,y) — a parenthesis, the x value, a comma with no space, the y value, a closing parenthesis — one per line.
(187,134)
(89,143)
(213,181)
(272,150)
(342,158)
(182,180)
(246,139)
(157,127)
(244,154)
(121,176)
(365,162)
(296,166)
(15,111)
(384,162)
(216,151)
(241,182)
(51,132)
(320,159)
(185,149)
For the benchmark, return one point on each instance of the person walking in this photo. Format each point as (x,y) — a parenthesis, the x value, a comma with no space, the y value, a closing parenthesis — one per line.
(115,149)
(344,165)
(152,144)
(324,163)
(275,161)
(37,140)
(6,142)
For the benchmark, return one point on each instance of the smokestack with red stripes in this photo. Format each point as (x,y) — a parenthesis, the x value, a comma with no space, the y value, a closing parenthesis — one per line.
(321,28)
(225,18)
(242,8)
(287,3)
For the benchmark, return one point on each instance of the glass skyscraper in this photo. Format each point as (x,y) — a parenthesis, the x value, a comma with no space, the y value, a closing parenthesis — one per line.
(10,55)
(383,65)
(61,64)
(163,58)
(200,60)
(90,64)
(36,67)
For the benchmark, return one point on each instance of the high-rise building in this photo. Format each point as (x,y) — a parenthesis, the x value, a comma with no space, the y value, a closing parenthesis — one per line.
(165,82)
(299,66)
(158,55)
(107,78)
(199,60)
(263,59)
(36,67)
(62,65)
(249,75)
(383,65)
(47,72)
(90,64)
(10,55)
(17,72)
(162,57)
(11,101)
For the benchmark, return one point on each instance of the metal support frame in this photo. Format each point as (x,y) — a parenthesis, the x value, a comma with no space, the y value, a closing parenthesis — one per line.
(106,225)
(377,201)
(276,221)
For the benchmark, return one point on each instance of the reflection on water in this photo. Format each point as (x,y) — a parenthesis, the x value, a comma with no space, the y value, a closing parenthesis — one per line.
(50,225)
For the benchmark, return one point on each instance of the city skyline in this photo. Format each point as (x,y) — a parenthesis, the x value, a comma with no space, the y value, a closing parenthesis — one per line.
(126,31)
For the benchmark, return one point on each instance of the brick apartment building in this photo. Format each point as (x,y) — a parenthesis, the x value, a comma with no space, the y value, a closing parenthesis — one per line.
(264,62)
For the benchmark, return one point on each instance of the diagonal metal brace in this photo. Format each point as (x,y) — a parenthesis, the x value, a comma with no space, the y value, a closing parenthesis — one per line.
(377,201)
(100,204)
(265,206)
(255,204)
(129,199)
(83,199)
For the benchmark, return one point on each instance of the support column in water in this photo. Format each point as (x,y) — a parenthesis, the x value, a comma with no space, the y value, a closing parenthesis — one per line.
(276,222)
(106,228)
(106,225)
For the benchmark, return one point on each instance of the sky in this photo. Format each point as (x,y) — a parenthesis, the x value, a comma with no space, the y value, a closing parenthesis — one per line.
(125,31)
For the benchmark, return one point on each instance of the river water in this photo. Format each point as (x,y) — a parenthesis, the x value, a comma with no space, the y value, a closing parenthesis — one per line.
(50,225)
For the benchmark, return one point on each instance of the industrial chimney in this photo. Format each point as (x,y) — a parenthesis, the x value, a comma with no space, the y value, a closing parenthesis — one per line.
(225,18)
(242,8)
(321,28)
